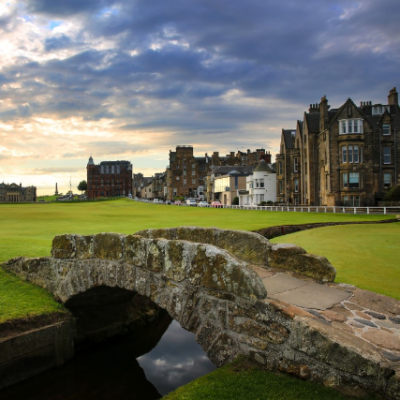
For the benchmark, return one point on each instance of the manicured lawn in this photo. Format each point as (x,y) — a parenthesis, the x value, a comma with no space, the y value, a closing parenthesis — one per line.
(364,255)
(236,381)
(28,229)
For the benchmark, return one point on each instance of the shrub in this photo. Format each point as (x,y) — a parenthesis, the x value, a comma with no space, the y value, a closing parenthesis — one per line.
(393,194)
(235,201)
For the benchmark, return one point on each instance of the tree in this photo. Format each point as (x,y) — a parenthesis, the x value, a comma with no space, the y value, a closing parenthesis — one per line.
(82,186)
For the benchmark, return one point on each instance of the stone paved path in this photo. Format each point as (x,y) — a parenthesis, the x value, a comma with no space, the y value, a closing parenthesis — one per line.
(371,317)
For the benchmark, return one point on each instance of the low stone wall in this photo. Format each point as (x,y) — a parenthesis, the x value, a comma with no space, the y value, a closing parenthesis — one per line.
(29,353)
(252,248)
(220,299)
(276,231)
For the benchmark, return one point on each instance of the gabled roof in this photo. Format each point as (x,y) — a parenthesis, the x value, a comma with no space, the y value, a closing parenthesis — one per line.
(312,120)
(287,137)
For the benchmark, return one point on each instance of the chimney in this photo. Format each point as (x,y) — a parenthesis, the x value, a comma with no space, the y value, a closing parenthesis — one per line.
(216,154)
(324,117)
(232,154)
(314,108)
(248,151)
(393,98)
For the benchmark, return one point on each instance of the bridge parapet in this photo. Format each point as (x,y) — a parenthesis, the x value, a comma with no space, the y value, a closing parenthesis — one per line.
(252,248)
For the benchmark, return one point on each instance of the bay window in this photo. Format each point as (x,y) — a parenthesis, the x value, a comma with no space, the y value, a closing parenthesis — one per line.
(350,126)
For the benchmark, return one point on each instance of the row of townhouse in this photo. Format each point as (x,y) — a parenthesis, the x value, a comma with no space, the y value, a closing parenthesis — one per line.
(208,177)
(344,156)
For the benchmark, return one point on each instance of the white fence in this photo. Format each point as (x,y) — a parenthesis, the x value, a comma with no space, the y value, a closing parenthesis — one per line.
(315,209)
(324,209)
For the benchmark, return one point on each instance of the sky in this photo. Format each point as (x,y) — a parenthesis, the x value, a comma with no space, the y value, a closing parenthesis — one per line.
(132,79)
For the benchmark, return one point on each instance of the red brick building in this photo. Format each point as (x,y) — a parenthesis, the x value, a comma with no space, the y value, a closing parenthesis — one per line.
(109,179)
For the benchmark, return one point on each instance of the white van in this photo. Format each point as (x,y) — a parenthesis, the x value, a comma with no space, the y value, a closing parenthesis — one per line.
(191,202)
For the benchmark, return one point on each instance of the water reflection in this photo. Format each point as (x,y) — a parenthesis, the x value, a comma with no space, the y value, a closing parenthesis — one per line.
(114,371)
(175,361)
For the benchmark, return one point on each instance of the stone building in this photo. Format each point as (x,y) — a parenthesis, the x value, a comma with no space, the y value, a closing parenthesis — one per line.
(186,174)
(344,156)
(109,179)
(13,193)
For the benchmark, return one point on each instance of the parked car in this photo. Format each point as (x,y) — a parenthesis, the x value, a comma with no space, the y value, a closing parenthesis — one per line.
(191,202)
(216,204)
(155,201)
(178,202)
(203,203)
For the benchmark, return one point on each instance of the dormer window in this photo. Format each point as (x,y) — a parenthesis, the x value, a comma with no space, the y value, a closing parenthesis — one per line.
(349,126)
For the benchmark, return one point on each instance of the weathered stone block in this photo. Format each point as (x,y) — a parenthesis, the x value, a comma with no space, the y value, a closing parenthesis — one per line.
(108,246)
(63,246)
(294,258)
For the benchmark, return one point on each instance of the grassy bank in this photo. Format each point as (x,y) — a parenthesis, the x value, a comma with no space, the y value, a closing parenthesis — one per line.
(241,380)
(364,255)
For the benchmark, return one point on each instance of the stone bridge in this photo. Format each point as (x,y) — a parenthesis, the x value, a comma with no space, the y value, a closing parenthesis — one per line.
(206,279)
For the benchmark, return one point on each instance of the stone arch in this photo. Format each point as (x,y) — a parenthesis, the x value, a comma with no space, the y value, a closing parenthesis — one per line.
(199,285)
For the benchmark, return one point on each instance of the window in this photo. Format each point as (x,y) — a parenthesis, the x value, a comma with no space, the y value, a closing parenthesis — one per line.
(387,158)
(354,180)
(344,154)
(355,154)
(296,185)
(387,179)
(352,154)
(345,181)
(193,181)
(350,126)
(193,166)
(262,183)
(257,183)
(193,173)
(261,198)
(184,181)
(386,129)
(280,187)
(280,167)
(184,173)
(296,164)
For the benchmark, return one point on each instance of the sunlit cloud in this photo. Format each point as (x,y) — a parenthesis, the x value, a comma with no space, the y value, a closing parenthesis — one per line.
(129,80)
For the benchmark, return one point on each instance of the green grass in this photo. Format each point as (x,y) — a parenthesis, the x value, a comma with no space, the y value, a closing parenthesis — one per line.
(28,229)
(20,299)
(364,255)
(48,198)
(235,382)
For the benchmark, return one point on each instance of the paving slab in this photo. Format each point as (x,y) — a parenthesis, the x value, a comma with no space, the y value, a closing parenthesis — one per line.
(311,295)
(282,283)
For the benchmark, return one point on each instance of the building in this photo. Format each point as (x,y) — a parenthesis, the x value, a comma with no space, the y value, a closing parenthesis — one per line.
(13,193)
(186,175)
(109,179)
(260,185)
(224,183)
(344,156)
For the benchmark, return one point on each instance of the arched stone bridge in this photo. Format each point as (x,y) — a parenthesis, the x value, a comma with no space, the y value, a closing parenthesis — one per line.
(205,280)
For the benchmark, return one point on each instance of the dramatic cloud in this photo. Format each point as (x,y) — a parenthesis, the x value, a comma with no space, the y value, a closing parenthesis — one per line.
(132,79)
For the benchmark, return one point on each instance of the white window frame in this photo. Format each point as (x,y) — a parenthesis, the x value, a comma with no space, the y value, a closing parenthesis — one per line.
(351,126)
(296,185)
(296,164)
